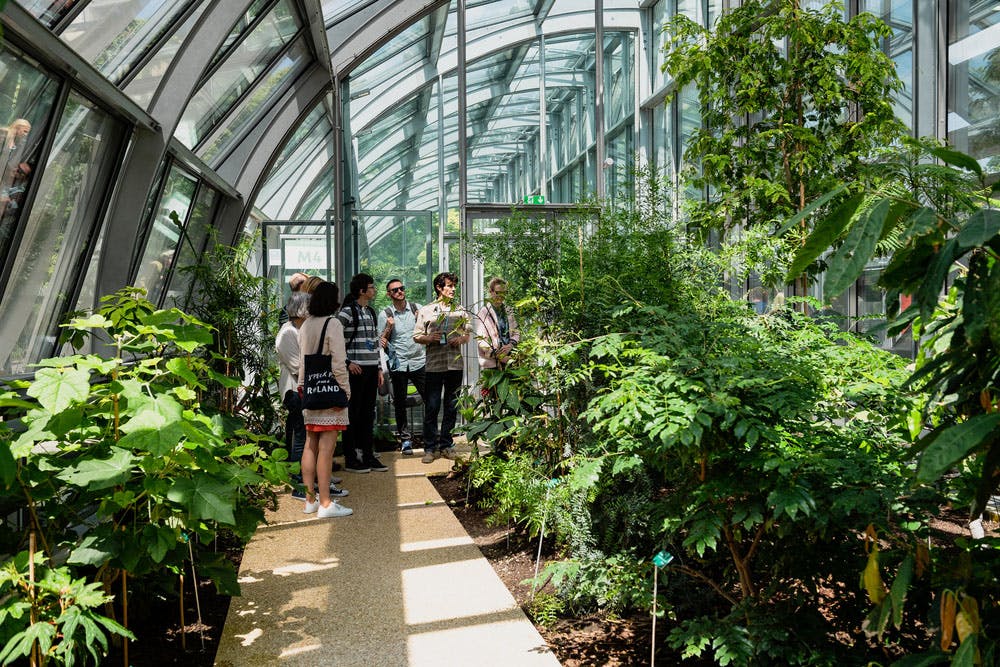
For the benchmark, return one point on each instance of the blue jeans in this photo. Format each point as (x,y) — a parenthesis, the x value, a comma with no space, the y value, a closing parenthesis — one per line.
(295,427)
(435,383)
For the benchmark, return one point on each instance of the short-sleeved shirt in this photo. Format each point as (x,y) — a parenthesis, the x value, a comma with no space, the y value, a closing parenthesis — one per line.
(438,319)
(360,333)
(411,355)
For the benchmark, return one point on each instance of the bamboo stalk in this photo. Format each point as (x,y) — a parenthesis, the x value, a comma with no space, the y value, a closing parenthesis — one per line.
(183,624)
(35,657)
(125,616)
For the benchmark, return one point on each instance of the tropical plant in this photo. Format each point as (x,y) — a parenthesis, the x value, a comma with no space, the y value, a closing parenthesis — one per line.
(120,469)
(944,281)
(240,307)
(793,100)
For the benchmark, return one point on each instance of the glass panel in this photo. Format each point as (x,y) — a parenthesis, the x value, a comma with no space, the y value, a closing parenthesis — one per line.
(164,235)
(400,246)
(26,98)
(143,85)
(52,251)
(658,17)
(334,9)
(241,28)
(272,85)
(298,165)
(898,14)
(113,35)
(48,12)
(192,246)
(974,80)
(236,75)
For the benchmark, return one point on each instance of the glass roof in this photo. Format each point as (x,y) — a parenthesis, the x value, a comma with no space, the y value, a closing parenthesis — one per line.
(394,106)
(238,73)
(114,35)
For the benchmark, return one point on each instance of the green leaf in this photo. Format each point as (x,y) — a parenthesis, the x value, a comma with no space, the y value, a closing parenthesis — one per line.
(93,550)
(204,498)
(180,367)
(157,441)
(808,210)
(826,232)
(922,221)
(900,585)
(586,474)
(159,412)
(957,159)
(981,226)
(58,388)
(930,289)
(965,656)
(8,466)
(849,260)
(954,443)
(96,474)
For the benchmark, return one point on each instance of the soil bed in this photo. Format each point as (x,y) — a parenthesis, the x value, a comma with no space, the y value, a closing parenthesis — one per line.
(590,641)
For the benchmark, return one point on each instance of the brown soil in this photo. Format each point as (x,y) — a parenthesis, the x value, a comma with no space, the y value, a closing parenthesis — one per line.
(590,641)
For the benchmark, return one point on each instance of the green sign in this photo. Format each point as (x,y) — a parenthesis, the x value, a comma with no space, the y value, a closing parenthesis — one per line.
(662,558)
(534,199)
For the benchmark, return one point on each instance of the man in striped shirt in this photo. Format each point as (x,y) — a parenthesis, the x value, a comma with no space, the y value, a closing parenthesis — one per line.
(361,337)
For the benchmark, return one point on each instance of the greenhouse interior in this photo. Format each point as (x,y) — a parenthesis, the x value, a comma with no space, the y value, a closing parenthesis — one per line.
(705,292)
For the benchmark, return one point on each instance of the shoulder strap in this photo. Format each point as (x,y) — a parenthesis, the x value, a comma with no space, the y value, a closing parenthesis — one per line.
(354,329)
(388,311)
(322,337)
(413,307)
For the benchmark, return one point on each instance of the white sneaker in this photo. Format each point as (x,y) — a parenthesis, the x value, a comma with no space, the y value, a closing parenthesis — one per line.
(334,509)
(310,508)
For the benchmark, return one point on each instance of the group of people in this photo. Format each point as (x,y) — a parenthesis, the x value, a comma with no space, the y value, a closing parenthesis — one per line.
(421,345)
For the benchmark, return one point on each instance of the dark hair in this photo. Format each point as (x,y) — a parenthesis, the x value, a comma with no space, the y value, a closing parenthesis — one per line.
(391,281)
(440,279)
(360,283)
(325,300)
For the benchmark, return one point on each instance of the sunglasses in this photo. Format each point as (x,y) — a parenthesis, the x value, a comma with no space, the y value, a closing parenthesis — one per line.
(398,289)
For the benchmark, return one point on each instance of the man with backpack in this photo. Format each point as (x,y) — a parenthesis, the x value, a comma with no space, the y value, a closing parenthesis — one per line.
(361,339)
(406,358)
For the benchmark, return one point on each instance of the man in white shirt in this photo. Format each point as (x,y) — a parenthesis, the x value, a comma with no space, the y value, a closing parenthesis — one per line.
(406,358)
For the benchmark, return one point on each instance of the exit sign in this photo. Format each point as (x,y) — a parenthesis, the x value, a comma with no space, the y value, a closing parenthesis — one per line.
(534,199)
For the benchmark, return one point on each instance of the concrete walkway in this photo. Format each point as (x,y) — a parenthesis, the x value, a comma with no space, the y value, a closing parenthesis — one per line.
(398,584)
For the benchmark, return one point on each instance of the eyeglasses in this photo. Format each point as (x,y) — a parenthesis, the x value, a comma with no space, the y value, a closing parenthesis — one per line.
(401,288)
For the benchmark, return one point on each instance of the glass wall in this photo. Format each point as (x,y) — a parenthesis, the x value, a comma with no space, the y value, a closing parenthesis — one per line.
(27,93)
(58,234)
(974,80)
(165,231)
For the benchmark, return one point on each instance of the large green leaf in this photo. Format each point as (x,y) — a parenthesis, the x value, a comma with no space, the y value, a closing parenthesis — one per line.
(847,263)
(181,367)
(954,443)
(930,289)
(96,474)
(8,467)
(957,159)
(922,221)
(204,498)
(58,388)
(157,441)
(825,233)
(981,226)
(93,550)
(159,412)
(809,210)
